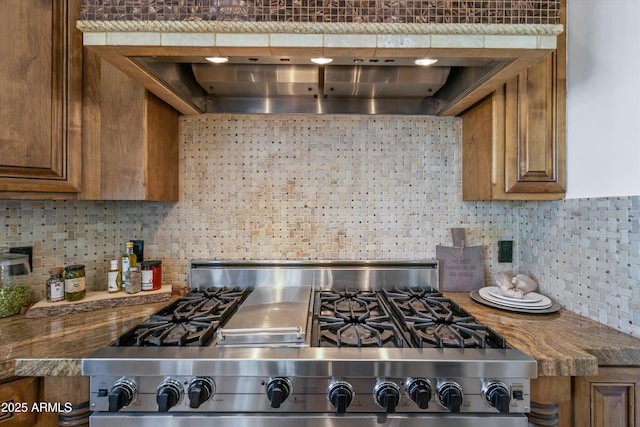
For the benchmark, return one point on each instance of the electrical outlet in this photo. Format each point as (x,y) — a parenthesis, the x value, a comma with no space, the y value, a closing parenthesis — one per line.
(505,250)
(25,250)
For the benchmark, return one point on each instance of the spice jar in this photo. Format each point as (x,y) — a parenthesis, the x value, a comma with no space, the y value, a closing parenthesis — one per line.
(134,281)
(151,275)
(55,285)
(75,284)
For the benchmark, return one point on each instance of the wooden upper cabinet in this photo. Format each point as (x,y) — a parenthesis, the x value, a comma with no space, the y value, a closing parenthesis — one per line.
(514,141)
(130,138)
(40,98)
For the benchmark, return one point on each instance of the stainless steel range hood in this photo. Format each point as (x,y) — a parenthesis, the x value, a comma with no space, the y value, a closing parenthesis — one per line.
(295,85)
(269,68)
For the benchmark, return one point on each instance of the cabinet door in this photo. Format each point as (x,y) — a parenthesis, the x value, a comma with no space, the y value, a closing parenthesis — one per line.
(608,400)
(19,395)
(534,137)
(40,96)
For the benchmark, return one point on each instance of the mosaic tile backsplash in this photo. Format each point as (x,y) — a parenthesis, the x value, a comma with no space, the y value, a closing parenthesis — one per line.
(340,187)
(357,11)
(586,255)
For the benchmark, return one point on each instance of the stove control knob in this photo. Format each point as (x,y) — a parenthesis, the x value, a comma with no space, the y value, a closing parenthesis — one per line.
(496,395)
(387,395)
(340,394)
(278,389)
(169,394)
(122,394)
(450,395)
(200,390)
(419,390)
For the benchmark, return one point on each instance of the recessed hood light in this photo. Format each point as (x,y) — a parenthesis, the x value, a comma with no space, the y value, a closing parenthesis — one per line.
(425,61)
(321,61)
(217,59)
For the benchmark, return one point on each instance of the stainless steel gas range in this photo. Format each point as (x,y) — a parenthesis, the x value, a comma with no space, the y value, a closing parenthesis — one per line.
(314,344)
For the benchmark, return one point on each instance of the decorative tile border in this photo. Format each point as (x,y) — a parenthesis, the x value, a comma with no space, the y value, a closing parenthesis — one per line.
(356,11)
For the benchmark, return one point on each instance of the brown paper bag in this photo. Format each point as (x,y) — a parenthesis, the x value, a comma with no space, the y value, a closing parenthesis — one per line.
(461,267)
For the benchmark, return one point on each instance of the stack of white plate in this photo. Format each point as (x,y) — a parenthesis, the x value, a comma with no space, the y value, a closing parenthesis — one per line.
(530,300)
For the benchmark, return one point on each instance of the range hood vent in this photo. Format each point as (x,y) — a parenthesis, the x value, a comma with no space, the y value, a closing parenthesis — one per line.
(294,85)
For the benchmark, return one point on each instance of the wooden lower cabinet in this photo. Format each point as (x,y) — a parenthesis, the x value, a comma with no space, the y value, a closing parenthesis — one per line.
(551,404)
(45,402)
(610,399)
(17,397)
(73,392)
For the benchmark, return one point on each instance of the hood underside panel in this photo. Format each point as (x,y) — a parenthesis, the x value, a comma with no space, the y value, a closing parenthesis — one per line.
(346,86)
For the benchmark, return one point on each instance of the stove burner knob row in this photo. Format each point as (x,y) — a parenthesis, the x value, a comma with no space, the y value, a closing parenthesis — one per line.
(200,390)
(419,390)
(278,389)
(122,393)
(496,394)
(340,394)
(450,395)
(387,395)
(169,394)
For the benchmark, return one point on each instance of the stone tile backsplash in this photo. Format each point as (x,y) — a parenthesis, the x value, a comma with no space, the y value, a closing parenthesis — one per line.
(585,254)
(340,187)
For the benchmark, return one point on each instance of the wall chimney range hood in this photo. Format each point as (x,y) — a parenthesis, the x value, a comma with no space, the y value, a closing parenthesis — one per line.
(270,70)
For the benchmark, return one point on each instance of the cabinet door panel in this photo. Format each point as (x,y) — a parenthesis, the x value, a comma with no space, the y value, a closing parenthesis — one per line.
(608,400)
(610,404)
(23,393)
(40,94)
(25,92)
(532,157)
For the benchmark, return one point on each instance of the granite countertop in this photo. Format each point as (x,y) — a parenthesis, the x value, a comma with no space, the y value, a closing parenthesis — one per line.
(55,346)
(563,343)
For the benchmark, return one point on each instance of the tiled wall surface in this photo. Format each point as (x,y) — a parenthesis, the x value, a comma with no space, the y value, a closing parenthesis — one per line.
(586,255)
(319,187)
(357,11)
(280,187)
(341,187)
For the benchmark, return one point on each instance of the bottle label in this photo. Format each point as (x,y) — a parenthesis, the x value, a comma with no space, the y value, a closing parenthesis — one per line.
(57,290)
(125,269)
(147,280)
(112,281)
(75,285)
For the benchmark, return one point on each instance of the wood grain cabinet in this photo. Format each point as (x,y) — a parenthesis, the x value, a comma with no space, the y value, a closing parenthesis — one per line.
(514,140)
(17,397)
(40,98)
(611,399)
(130,138)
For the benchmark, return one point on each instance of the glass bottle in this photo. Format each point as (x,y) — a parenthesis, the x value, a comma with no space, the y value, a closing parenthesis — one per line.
(114,283)
(134,281)
(75,284)
(55,285)
(127,261)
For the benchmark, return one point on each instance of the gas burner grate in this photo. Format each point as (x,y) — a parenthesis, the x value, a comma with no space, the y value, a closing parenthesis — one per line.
(190,321)
(355,319)
(435,321)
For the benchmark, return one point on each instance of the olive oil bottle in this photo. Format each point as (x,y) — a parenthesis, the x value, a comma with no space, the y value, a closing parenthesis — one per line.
(127,260)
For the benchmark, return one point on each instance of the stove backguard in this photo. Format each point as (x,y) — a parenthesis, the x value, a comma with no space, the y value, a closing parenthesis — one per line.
(363,275)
